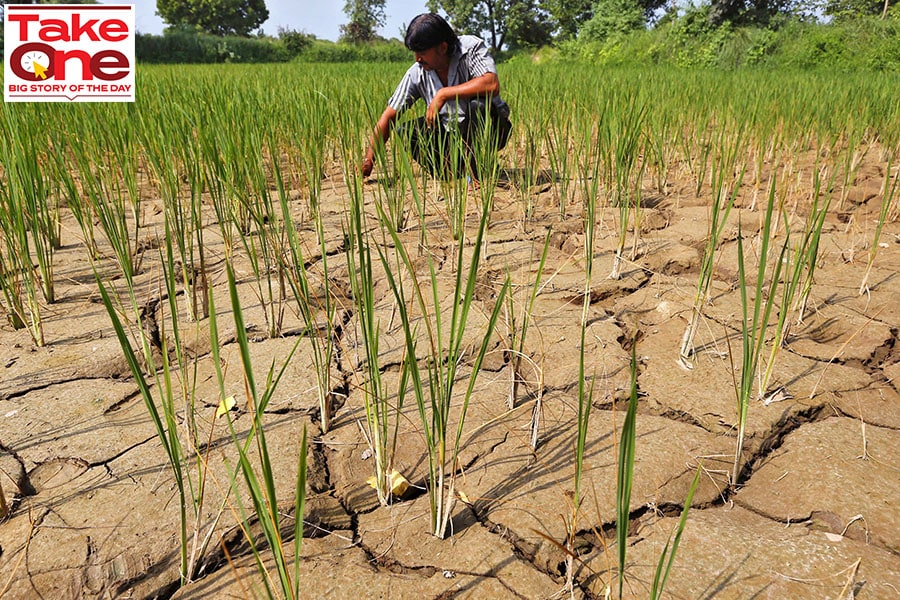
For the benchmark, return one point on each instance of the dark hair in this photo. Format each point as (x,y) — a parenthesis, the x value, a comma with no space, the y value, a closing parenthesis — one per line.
(427,31)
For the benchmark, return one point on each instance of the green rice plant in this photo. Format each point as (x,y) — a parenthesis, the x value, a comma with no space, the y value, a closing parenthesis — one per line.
(382,419)
(310,129)
(17,280)
(626,146)
(392,189)
(726,182)
(585,394)
(163,414)
(64,173)
(183,219)
(802,260)
(658,145)
(517,326)
(670,550)
(753,330)
(625,472)
(443,337)
(559,154)
(29,220)
(591,148)
(530,166)
(108,206)
(308,303)
(32,184)
(262,236)
(261,483)
(888,192)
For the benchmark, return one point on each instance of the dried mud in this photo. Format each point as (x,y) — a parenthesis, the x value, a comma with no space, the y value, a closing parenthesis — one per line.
(94,510)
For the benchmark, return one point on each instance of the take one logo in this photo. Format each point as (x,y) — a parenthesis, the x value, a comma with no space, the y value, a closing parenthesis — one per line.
(69,53)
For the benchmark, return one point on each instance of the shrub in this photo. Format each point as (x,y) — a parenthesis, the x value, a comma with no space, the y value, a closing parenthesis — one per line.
(185,45)
(330,52)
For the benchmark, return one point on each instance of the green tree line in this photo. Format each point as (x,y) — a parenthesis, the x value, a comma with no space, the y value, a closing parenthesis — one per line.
(727,33)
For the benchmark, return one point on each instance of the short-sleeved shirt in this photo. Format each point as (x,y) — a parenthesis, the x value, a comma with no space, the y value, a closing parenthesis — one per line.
(470,61)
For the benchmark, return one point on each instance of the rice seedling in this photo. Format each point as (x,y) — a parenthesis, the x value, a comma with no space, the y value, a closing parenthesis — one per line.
(309,303)
(108,205)
(162,412)
(670,550)
(261,484)
(626,138)
(530,166)
(559,154)
(585,393)
(380,427)
(183,220)
(625,473)
(19,280)
(443,336)
(517,326)
(753,330)
(888,192)
(725,187)
(802,260)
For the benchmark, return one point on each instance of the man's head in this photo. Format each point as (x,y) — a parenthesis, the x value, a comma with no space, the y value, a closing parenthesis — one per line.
(428,31)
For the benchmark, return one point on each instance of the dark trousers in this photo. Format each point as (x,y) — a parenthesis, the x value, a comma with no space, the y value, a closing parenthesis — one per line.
(456,152)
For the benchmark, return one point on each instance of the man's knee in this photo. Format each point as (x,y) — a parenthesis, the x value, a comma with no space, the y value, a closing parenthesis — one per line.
(478,113)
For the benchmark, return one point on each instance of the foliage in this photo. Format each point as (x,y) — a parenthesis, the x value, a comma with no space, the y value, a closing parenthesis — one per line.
(612,17)
(329,52)
(185,45)
(851,9)
(747,12)
(513,23)
(366,16)
(568,16)
(218,17)
(690,40)
(295,42)
(526,31)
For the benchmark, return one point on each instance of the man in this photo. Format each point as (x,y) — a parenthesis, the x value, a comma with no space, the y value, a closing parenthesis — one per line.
(457,79)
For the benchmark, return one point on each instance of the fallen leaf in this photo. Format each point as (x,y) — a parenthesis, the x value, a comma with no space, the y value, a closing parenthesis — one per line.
(399,483)
(225,405)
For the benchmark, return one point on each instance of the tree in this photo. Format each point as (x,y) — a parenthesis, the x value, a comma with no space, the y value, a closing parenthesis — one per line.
(569,15)
(848,9)
(366,16)
(218,17)
(612,17)
(746,12)
(501,22)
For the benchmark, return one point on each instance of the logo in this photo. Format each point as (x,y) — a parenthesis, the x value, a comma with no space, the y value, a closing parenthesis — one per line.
(68,53)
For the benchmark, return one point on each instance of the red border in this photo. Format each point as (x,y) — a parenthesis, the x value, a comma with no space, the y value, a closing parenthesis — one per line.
(14,7)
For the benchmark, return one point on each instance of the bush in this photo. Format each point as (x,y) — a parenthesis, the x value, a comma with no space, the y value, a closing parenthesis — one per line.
(295,42)
(330,52)
(689,40)
(612,18)
(186,45)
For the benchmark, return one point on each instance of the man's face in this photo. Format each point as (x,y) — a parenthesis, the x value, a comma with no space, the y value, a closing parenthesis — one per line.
(433,58)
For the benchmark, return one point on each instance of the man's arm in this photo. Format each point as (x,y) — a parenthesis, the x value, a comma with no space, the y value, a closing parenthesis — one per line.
(483,85)
(380,135)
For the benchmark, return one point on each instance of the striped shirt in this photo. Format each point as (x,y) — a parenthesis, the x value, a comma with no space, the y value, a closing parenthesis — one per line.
(470,61)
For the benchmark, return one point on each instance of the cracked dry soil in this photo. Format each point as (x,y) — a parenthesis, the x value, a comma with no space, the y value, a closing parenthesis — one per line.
(815,514)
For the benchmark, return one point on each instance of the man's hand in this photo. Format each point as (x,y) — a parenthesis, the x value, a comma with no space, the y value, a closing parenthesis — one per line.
(434,109)
(366,167)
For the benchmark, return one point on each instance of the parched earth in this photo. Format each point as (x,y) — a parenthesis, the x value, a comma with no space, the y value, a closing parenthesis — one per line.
(94,509)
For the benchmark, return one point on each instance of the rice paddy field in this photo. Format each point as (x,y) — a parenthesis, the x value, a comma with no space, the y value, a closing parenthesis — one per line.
(653,354)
